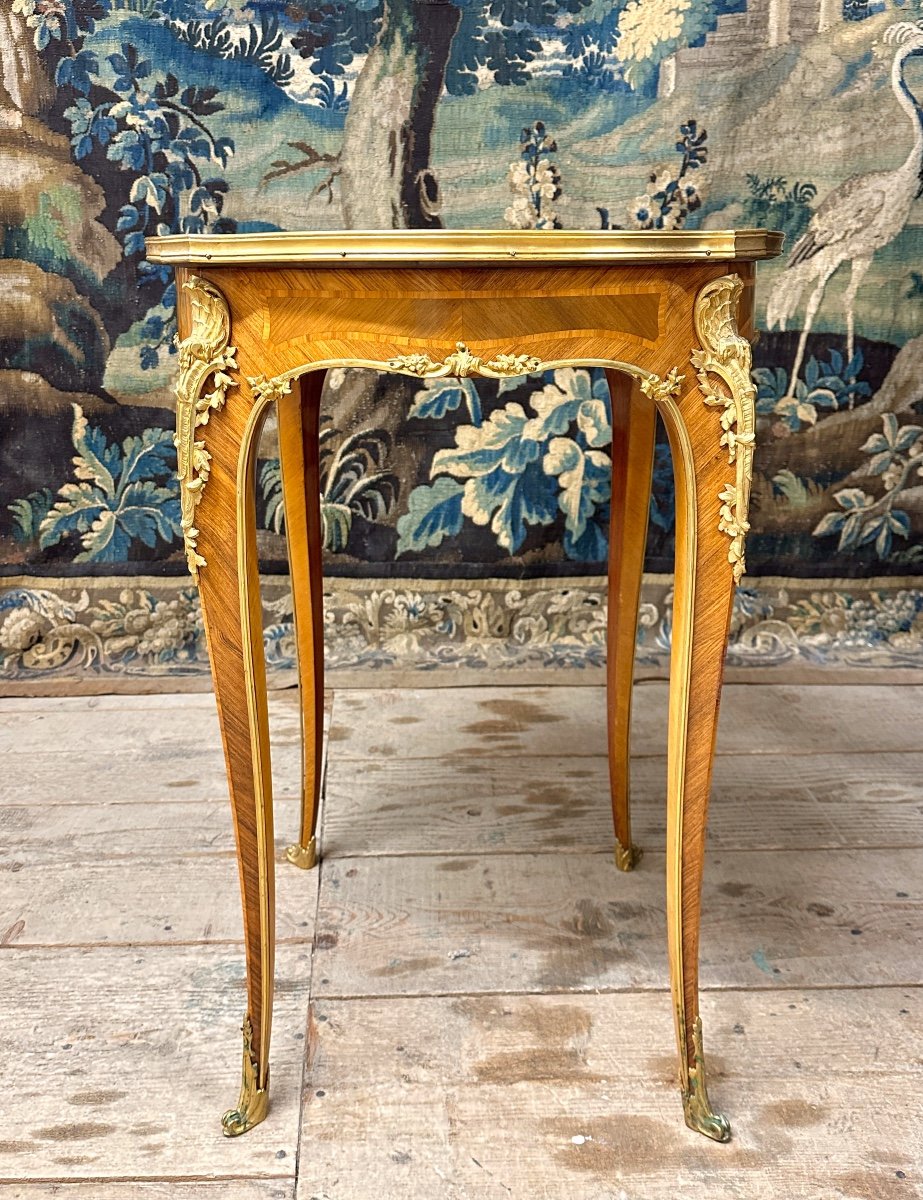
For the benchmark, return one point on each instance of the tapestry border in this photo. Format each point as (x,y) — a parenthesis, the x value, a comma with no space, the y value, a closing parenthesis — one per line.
(145,633)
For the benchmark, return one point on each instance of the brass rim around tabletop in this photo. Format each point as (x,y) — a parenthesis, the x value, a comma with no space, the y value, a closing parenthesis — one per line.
(473,246)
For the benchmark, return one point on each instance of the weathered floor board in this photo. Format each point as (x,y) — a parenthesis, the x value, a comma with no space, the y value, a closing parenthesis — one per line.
(192,899)
(228,1188)
(549,922)
(65,834)
(126,1058)
(489,1017)
(548,1096)
(190,767)
(478,723)
(516,804)
(81,750)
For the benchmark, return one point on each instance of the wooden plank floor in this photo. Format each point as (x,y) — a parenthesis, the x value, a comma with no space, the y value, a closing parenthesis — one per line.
(471,1002)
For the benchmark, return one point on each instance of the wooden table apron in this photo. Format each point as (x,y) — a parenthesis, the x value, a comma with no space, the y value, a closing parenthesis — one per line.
(672,338)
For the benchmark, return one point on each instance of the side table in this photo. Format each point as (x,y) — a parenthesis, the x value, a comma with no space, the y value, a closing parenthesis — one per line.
(665,314)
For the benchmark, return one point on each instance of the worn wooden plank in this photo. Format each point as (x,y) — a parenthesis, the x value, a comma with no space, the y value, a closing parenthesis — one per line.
(94,759)
(154,1189)
(471,729)
(183,770)
(108,731)
(126,1058)
(140,900)
(532,922)
(516,804)
(550,1097)
(482,723)
(104,723)
(458,724)
(868,1032)
(60,835)
(155,701)
(434,722)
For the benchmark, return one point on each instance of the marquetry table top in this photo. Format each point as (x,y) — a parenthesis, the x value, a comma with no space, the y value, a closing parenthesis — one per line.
(395,246)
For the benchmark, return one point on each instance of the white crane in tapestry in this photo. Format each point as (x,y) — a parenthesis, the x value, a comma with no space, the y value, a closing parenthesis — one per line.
(863,215)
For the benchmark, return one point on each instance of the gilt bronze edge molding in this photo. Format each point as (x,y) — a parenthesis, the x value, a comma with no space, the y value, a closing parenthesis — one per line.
(469,247)
(461,363)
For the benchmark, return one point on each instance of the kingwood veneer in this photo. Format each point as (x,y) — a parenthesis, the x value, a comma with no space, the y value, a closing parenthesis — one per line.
(667,315)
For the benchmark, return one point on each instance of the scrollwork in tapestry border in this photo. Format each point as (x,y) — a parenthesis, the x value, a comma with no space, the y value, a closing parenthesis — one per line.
(92,629)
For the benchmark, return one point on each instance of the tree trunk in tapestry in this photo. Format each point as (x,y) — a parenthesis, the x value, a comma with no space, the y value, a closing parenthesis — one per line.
(385,176)
(385,172)
(55,251)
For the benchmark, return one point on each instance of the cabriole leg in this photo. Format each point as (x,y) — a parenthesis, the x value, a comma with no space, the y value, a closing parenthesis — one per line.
(298,414)
(712,458)
(701,614)
(634,422)
(232,612)
(216,450)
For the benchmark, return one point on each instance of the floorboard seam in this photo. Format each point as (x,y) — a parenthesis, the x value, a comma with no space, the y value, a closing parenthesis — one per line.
(576,851)
(83,1180)
(306,1056)
(653,990)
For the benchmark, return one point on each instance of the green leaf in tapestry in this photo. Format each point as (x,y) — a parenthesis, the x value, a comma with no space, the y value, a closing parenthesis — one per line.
(557,404)
(78,507)
(499,442)
(146,512)
(94,460)
(510,503)
(505,486)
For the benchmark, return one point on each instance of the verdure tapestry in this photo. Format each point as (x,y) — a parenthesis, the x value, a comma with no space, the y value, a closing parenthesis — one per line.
(464,523)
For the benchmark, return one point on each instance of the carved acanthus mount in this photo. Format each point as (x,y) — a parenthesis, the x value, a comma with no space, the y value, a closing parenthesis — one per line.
(661,389)
(204,354)
(461,363)
(726,354)
(270,389)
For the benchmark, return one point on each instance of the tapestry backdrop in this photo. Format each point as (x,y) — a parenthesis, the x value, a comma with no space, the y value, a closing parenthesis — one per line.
(126,118)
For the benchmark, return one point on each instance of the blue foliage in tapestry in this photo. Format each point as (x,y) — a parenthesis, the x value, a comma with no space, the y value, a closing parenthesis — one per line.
(527,113)
(157,134)
(123,493)
(517,470)
(147,140)
(829,385)
(895,455)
